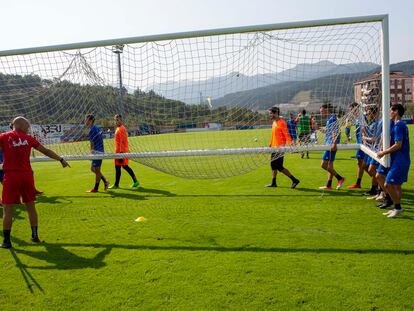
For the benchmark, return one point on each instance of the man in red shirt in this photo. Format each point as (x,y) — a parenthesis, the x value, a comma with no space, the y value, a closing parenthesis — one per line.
(121,146)
(18,181)
(280,137)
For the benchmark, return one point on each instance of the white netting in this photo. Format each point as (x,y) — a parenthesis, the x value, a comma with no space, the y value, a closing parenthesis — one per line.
(202,93)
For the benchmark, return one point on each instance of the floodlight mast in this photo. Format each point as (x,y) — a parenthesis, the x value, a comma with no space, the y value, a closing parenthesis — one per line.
(118,49)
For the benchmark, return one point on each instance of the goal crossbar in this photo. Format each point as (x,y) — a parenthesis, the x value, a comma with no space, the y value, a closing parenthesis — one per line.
(198,33)
(191,153)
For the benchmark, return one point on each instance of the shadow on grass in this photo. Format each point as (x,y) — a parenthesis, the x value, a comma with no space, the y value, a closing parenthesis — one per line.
(132,194)
(27,276)
(273,192)
(61,258)
(58,257)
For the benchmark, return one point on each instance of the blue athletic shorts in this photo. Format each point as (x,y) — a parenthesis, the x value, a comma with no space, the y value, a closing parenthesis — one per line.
(373,162)
(397,175)
(1,176)
(367,159)
(382,170)
(347,131)
(96,163)
(329,156)
(360,154)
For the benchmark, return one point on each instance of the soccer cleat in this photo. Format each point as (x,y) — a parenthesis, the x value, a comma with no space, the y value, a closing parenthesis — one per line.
(395,213)
(113,187)
(354,186)
(384,205)
(271,186)
(93,190)
(294,184)
(135,184)
(326,188)
(106,185)
(370,192)
(387,213)
(340,183)
(6,244)
(35,239)
(381,197)
(373,198)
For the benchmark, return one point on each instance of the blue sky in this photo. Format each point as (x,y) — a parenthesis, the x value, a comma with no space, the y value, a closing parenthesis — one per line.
(27,23)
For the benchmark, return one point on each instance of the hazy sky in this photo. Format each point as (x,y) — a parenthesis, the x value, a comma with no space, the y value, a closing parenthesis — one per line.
(29,23)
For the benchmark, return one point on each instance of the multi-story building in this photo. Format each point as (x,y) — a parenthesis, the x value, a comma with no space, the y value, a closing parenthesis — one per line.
(367,89)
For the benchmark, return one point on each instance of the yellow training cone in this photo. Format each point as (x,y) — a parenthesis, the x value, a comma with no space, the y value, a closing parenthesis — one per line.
(140,219)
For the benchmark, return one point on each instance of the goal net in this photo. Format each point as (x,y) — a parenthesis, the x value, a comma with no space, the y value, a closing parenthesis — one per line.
(196,104)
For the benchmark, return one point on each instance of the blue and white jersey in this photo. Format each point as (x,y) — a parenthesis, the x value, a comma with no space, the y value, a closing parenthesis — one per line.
(95,136)
(333,132)
(402,156)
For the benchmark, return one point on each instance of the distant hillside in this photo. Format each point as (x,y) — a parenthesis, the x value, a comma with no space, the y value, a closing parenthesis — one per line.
(191,92)
(406,67)
(334,88)
(337,88)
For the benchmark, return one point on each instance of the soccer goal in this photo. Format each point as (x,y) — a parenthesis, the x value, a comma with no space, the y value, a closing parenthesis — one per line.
(195,104)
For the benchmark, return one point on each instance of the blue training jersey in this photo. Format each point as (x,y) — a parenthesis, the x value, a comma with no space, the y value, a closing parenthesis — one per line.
(95,137)
(291,124)
(378,135)
(333,132)
(401,156)
(358,131)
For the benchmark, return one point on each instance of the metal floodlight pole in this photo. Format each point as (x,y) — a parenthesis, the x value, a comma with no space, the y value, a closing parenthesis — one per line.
(118,49)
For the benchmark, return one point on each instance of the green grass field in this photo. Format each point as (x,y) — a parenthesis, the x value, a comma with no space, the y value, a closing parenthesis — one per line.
(209,244)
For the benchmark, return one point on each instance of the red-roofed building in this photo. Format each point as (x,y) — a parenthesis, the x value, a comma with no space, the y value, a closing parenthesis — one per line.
(367,89)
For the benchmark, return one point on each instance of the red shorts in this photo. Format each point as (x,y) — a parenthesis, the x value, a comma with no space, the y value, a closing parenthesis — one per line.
(121,162)
(18,185)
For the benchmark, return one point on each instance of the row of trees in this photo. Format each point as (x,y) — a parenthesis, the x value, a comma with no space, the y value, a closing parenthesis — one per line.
(55,101)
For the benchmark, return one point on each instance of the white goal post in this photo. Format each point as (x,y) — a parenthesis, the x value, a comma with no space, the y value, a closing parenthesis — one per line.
(385,98)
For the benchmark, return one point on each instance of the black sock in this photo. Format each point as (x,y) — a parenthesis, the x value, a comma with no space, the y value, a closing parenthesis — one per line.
(358,181)
(103,178)
(373,188)
(292,178)
(339,177)
(6,235)
(117,175)
(130,172)
(388,198)
(329,183)
(397,206)
(96,186)
(34,231)
(274,181)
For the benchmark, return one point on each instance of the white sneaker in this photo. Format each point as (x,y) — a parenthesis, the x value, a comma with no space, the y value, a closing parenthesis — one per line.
(387,213)
(395,213)
(373,198)
(381,197)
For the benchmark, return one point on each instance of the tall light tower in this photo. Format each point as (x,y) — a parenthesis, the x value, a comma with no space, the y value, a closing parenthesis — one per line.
(118,49)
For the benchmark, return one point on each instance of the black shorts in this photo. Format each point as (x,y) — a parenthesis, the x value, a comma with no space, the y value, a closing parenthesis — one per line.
(276,162)
(304,138)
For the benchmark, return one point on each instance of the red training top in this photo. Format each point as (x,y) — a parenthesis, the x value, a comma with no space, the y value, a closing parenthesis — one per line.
(16,148)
